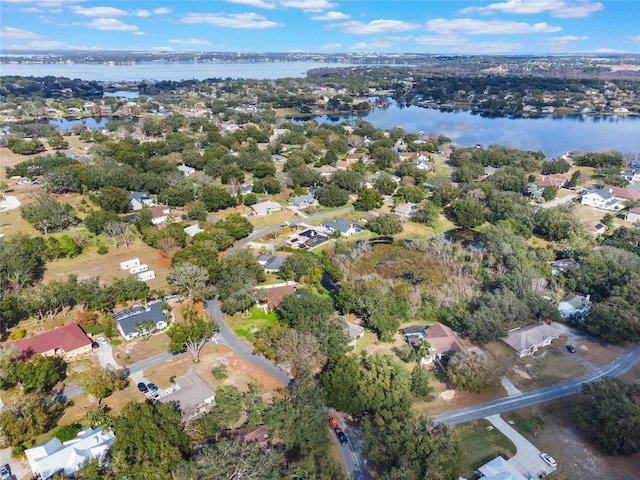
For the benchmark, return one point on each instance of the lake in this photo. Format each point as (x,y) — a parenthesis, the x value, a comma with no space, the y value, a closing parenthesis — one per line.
(165,70)
(552,135)
(68,124)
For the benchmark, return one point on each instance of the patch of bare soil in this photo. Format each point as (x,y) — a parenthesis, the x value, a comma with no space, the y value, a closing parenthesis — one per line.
(596,353)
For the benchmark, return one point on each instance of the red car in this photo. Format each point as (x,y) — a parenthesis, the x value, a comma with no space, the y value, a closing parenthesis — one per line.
(333,422)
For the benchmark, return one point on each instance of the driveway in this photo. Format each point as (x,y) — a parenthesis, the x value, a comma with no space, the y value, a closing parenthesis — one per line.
(559,201)
(105,356)
(527,459)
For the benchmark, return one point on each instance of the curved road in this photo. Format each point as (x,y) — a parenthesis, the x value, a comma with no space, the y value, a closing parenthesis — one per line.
(621,364)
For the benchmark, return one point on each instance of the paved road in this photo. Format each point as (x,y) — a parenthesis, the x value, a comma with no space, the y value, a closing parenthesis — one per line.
(559,201)
(624,362)
(351,453)
(226,336)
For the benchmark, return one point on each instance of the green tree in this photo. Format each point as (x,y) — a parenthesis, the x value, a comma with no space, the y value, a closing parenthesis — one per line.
(102,382)
(607,412)
(196,210)
(420,384)
(113,199)
(348,180)
(48,215)
(332,196)
(26,417)
(190,280)
(40,374)
(385,184)
(191,334)
(385,224)
(61,180)
(216,198)
(302,266)
(472,372)
(428,215)
(549,193)
(150,441)
(468,212)
(575,178)
(236,225)
(368,199)
(536,423)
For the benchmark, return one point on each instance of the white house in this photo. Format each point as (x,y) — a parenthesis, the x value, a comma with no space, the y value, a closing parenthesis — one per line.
(345,227)
(633,215)
(127,319)
(406,210)
(139,200)
(303,201)
(602,198)
(574,306)
(159,214)
(265,208)
(499,469)
(186,170)
(193,230)
(52,456)
(632,176)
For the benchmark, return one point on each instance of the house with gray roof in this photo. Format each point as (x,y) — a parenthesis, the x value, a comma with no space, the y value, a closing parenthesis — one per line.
(266,207)
(527,340)
(192,394)
(563,266)
(499,469)
(127,319)
(303,201)
(271,263)
(602,198)
(186,170)
(574,306)
(139,200)
(345,227)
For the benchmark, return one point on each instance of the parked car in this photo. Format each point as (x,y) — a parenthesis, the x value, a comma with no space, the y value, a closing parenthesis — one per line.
(571,349)
(142,387)
(549,460)
(5,471)
(95,345)
(153,387)
(341,436)
(206,304)
(332,421)
(154,395)
(103,340)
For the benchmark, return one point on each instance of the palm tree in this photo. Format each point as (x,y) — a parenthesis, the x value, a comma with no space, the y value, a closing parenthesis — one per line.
(536,423)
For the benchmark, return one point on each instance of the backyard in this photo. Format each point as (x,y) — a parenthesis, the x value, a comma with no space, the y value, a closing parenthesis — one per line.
(482,443)
(243,324)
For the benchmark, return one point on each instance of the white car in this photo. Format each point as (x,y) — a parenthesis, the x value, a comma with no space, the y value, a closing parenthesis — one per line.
(549,460)
(102,340)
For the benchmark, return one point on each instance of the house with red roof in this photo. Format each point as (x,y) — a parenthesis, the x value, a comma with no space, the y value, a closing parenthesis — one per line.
(69,342)
(272,295)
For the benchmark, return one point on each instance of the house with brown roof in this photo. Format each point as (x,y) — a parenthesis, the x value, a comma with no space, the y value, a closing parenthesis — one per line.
(273,295)
(159,214)
(554,180)
(527,340)
(443,340)
(69,342)
(633,215)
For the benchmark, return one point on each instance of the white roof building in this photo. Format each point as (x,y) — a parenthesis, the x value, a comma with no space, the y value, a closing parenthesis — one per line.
(265,208)
(52,456)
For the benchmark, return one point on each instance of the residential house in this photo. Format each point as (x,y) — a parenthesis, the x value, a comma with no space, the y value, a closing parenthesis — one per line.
(355,157)
(574,306)
(555,180)
(192,393)
(186,170)
(406,210)
(259,435)
(632,175)
(50,457)
(563,266)
(602,198)
(266,207)
(422,164)
(271,263)
(246,188)
(278,158)
(159,214)
(443,340)
(69,342)
(303,201)
(127,319)
(193,230)
(326,170)
(345,227)
(623,194)
(527,340)
(354,331)
(273,295)
(488,171)
(633,215)
(499,469)
(278,132)
(306,240)
(139,200)
(343,165)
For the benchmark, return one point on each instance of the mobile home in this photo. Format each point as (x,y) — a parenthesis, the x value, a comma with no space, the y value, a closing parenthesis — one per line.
(139,269)
(127,264)
(148,275)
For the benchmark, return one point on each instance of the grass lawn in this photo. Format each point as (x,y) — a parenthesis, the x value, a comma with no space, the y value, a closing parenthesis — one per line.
(243,326)
(139,349)
(275,218)
(483,443)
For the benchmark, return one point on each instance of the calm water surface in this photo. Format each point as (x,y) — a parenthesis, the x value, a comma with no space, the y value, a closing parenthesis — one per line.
(552,135)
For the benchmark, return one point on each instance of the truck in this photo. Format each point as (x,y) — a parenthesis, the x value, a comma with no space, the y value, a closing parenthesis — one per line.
(131,263)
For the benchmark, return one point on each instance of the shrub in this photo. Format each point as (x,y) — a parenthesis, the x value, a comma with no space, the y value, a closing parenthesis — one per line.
(17,451)
(18,334)
(219,372)
(116,341)
(102,248)
(66,432)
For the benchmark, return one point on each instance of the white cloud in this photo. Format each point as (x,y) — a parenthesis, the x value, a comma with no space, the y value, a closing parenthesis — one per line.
(632,39)
(331,16)
(373,45)
(110,25)
(146,13)
(255,3)
(232,20)
(561,44)
(458,44)
(45,3)
(99,11)
(140,34)
(161,49)
(308,5)
(32,10)
(375,27)
(49,45)
(491,27)
(142,13)
(561,9)
(161,11)
(608,50)
(12,32)
(190,41)
(329,46)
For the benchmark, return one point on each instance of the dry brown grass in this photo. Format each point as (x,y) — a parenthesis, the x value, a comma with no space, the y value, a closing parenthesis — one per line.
(596,353)
(138,349)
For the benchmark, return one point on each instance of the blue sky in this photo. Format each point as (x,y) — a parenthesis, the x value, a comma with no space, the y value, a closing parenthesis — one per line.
(445,26)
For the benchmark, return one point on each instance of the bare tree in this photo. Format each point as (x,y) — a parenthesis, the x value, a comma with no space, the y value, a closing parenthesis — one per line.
(168,246)
(115,231)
